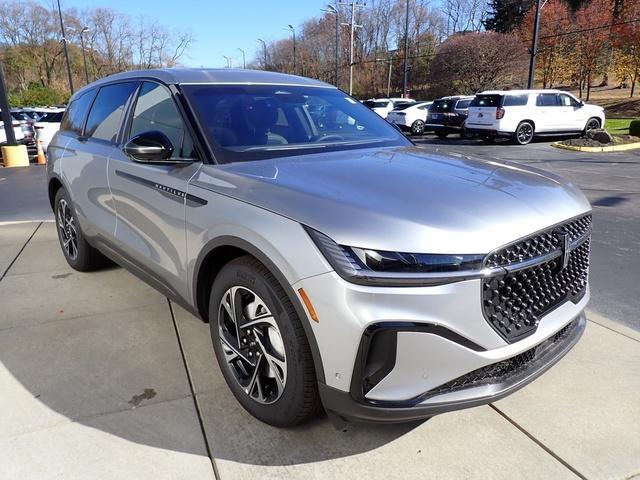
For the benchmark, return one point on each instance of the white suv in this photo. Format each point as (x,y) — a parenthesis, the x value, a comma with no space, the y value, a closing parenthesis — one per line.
(382,106)
(521,114)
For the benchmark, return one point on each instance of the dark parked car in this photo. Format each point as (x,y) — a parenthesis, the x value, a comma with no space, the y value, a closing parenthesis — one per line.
(447,115)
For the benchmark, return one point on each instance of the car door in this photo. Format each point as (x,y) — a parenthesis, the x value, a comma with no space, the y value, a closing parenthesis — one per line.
(572,110)
(91,140)
(546,110)
(150,199)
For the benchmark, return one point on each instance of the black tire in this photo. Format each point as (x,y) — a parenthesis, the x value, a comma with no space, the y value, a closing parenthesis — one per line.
(417,127)
(299,399)
(79,254)
(592,124)
(441,134)
(524,133)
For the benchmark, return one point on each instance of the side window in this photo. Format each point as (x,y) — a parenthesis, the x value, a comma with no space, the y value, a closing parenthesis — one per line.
(547,100)
(463,104)
(156,110)
(515,100)
(73,118)
(567,101)
(106,113)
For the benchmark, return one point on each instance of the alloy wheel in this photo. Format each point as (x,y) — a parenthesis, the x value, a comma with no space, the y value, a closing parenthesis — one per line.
(418,127)
(67,229)
(525,133)
(592,124)
(252,345)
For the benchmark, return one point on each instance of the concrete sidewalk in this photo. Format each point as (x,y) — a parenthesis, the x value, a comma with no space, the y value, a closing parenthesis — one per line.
(101,378)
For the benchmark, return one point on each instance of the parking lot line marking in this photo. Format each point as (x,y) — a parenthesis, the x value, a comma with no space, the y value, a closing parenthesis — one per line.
(193,392)
(20,252)
(538,442)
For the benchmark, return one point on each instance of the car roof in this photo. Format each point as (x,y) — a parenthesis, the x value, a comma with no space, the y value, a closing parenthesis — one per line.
(520,92)
(456,97)
(182,76)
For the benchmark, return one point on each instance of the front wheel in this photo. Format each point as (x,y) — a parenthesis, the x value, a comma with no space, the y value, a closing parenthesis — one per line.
(79,254)
(417,128)
(592,124)
(524,133)
(261,345)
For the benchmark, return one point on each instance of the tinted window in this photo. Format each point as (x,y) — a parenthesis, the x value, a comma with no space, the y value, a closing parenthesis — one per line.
(441,105)
(463,104)
(515,100)
(156,110)
(253,122)
(107,110)
(52,117)
(73,118)
(547,100)
(486,101)
(372,104)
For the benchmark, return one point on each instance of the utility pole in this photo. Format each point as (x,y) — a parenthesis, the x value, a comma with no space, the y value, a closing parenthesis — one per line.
(84,56)
(354,4)
(390,61)
(66,52)
(244,61)
(6,112)
(293,32)
(334,11)
(264,51)
(406,51)
(534,46)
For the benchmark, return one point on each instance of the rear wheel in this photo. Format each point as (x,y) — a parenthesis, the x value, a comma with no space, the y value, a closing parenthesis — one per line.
(261,345)
(79,254)
(524,133)
(417,128)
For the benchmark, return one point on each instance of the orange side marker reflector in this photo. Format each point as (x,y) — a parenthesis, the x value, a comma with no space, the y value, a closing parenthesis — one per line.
(307,303)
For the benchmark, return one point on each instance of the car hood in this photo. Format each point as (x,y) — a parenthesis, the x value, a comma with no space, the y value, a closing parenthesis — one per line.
(403,198)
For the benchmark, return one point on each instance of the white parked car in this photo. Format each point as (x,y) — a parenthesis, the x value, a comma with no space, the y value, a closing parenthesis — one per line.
(17,130)
(382,106)
(410,117)
(48,125)
(523,114)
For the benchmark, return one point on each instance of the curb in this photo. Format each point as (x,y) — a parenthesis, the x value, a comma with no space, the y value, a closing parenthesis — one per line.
(609,148)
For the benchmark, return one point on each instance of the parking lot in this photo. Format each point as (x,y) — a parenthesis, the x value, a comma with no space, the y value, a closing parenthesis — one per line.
(103,378)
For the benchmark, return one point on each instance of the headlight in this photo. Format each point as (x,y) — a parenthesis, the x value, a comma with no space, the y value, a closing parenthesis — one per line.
(374,267)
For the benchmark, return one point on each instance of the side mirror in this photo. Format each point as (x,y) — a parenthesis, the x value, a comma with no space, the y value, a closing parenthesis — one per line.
(151,147)
(580,104)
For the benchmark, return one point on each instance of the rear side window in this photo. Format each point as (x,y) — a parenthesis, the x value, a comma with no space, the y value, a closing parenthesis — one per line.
(547,100)
(515,100)
(486,101)
(463,104)
(106,113)
(441,106)
(73,118)
(156,110)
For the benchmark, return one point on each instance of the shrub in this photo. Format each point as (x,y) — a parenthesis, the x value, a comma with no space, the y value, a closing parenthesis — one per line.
(634,128)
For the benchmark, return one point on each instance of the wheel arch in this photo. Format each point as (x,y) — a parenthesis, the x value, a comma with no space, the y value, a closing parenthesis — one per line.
(220,251)
(533,124)
(55,184)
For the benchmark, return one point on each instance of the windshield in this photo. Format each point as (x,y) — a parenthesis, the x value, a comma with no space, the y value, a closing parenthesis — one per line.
(441,105)
(254,122)
(486,101)
(52,117)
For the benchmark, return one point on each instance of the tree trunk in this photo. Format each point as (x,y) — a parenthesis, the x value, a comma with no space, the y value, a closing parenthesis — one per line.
(588,86)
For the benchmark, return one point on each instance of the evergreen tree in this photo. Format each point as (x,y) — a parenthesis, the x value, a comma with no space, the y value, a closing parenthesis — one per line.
(506,15)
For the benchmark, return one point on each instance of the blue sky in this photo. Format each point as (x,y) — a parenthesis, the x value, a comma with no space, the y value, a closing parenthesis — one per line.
(219,27)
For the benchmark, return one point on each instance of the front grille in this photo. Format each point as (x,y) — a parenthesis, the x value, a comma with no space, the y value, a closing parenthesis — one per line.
(538,244)
(501,371)
(514,302)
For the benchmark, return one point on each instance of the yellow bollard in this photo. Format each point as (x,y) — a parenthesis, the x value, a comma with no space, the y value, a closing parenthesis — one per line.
(15,156)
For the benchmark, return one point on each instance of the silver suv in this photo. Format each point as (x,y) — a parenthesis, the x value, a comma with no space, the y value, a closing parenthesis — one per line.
(337,265)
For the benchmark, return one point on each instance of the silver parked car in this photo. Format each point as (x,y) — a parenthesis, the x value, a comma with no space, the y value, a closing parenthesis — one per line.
(337,264)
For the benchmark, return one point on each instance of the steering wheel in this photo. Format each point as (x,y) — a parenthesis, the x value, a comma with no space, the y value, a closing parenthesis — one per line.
(329,137)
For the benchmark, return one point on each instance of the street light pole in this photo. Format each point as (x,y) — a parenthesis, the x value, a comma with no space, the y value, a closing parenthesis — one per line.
(84,56)
(334,11)
(390,61)
(293,32)
(244,62)
(264,51)
(228,59)
(354,4)
(406,51)
(534,47)
(66,52)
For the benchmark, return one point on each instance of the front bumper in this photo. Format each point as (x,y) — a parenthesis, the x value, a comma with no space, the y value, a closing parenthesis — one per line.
(455,395)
